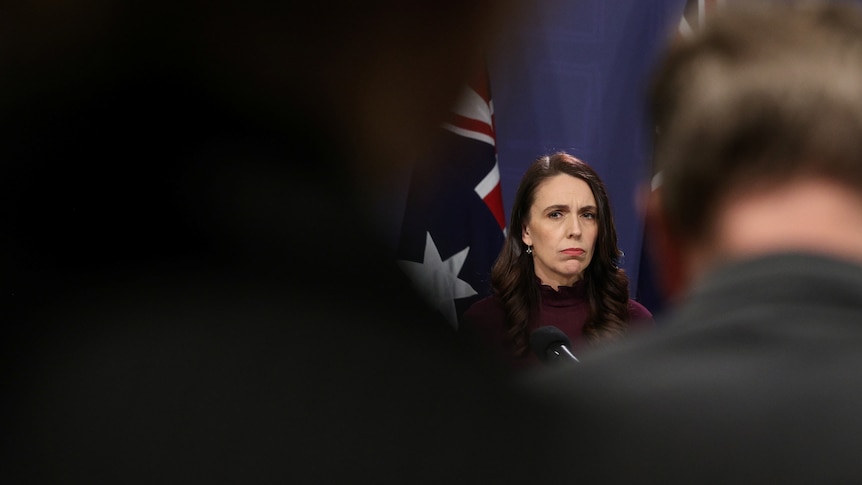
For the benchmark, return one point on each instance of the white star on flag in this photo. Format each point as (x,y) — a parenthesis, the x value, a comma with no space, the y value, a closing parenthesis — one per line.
(438,281)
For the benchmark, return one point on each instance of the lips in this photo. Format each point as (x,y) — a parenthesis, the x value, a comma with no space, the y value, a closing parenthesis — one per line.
(573,252)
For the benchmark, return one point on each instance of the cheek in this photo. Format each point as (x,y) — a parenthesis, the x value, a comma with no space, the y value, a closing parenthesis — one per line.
(594,237)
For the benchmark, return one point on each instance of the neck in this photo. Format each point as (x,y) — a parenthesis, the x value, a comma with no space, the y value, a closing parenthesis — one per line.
(557,283)
(808,215)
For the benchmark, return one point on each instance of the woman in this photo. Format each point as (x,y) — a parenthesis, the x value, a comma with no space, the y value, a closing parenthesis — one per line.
(559,266)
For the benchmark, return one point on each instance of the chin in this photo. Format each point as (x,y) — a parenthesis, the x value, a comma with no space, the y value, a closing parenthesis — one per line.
(574,270)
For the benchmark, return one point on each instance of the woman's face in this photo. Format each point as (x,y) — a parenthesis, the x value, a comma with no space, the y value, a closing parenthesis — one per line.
(562,230)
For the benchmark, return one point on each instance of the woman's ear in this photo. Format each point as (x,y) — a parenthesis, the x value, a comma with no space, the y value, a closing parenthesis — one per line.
(525,236)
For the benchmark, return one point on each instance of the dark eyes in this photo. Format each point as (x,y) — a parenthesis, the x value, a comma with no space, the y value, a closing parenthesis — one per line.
(558,214)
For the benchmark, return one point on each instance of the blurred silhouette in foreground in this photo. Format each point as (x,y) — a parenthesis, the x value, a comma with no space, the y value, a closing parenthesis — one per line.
(192,291)
(754,376)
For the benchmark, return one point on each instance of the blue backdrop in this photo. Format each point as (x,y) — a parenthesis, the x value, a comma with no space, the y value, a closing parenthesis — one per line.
(573,77)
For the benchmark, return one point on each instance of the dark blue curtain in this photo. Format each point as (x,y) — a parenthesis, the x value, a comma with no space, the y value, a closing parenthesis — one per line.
(574,78)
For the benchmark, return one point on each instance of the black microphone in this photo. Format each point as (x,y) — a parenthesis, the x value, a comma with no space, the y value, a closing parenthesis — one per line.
(551,345)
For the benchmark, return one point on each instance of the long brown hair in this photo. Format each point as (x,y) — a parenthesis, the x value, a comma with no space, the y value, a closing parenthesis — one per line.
(513,278)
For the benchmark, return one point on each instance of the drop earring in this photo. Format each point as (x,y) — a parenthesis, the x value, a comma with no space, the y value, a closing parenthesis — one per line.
(529,249)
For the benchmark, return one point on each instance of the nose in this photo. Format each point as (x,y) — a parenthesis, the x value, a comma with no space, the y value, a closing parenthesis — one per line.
(575,227)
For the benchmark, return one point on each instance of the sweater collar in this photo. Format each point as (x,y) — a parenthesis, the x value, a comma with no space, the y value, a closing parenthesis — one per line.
(565,295)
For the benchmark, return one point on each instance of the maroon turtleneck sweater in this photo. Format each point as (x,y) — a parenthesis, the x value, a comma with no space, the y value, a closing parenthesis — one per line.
(565,309)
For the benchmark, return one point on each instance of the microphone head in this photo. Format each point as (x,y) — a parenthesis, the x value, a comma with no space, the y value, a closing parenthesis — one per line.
(543,338)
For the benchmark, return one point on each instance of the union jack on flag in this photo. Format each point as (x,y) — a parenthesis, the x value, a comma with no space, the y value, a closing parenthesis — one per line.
(454,223)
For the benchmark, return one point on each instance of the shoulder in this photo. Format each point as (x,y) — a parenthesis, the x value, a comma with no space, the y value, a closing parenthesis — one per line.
(636,310)
(638,314)
(485,311)
(484,320)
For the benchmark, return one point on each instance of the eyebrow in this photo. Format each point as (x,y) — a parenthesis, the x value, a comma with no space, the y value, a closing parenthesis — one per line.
(564,207)
(556,207)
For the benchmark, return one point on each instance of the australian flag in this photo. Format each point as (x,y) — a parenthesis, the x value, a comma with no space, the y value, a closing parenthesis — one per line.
(454,224)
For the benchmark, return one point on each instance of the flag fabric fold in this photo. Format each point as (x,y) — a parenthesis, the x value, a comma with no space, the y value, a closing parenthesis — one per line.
(454,223)
(694,13)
